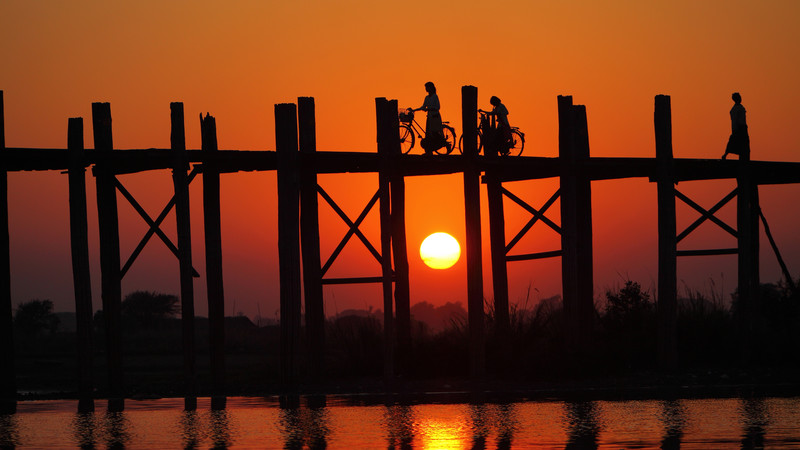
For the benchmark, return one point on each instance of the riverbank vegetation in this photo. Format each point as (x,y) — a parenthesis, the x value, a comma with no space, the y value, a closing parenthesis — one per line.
(716,343)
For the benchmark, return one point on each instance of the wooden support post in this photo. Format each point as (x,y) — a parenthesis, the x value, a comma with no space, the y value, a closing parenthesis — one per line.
(402,299)
(576,224)
(472,218)
(8,376)
(386,136)
(288,241)
(748,235)
(497,240)
(81,279)
(111,279)
(309,236)
(667,237)
(213,241)
(180,183)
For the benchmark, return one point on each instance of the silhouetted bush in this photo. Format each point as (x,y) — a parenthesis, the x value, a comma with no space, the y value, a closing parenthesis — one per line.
(148,309)
(706,333)
(35,317)
(629,327)
(354,345)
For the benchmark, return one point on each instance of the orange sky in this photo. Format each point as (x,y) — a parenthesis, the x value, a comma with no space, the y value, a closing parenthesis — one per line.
(237,59)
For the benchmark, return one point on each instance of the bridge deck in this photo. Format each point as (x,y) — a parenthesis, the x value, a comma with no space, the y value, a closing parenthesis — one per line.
(513,168)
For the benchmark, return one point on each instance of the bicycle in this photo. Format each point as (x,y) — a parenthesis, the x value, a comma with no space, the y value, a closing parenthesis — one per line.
(513,147)
(409,128)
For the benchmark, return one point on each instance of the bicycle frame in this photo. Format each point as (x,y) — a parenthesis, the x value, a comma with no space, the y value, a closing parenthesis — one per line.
(487,122)
(419,129)
(415,127)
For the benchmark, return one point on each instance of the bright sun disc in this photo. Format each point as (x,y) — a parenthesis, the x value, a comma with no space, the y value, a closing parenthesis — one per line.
(440,251)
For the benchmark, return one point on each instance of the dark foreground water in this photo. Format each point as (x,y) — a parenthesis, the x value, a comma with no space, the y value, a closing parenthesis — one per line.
(261,423)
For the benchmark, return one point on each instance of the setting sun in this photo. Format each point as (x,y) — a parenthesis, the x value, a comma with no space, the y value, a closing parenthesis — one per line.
(440,251)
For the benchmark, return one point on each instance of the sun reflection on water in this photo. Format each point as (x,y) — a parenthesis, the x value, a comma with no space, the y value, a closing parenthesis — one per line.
(248,423)
(442,433)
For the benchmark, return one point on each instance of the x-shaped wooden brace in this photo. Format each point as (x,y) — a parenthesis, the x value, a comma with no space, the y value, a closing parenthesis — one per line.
(353,228)
(154,224)
(537,215)
(707,215)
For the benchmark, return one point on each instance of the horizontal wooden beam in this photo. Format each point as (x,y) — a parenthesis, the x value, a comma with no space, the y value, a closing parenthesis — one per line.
(531,256)
(511,168)
(354,280)
(712,252)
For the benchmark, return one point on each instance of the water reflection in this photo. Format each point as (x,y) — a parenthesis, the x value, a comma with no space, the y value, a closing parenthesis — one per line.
(582,425)
(485,418)
(84,430)
(190,429)
(673,416)
(9,431)
(399,421)
(117,430)
(305,427)
(260,423)
(480,425)
(506,425)
(220,428)
(755,418)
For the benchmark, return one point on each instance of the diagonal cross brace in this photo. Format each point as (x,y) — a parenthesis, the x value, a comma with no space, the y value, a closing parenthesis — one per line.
(154,224)
(353,228)
(706,214)
(537,215)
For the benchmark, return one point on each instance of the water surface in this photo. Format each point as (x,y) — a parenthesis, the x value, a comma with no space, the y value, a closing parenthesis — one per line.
(261,423)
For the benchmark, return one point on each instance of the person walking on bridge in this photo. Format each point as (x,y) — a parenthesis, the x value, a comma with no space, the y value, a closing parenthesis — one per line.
(500,111)
(739,142)
(434,136)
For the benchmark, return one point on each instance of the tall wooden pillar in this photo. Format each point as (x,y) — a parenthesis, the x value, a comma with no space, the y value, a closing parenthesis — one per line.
(748,245)
(111,278)
(497,239)
(288,240)
(8,383)
(667,237)
(402,300)
(309,236)
(213,242)
(81,279)
(472,218)
(180,183)
(385,136)
(576,223)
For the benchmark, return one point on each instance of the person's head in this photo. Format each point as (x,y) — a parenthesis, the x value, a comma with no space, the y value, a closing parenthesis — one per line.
(430,88)
(736,97)
(494,101)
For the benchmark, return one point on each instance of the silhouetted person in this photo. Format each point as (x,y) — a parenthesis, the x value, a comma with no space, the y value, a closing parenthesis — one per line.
(434,137)
(739,142)
(500,111)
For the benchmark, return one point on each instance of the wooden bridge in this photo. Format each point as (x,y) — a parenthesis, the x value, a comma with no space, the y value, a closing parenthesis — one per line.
(298,163)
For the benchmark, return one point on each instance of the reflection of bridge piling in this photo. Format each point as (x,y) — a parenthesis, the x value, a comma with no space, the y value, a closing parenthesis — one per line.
(298,163)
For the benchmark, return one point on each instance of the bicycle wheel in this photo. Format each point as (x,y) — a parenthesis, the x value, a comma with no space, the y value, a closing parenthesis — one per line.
(461,140)
(449,138)
(406,138)
(517,142)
